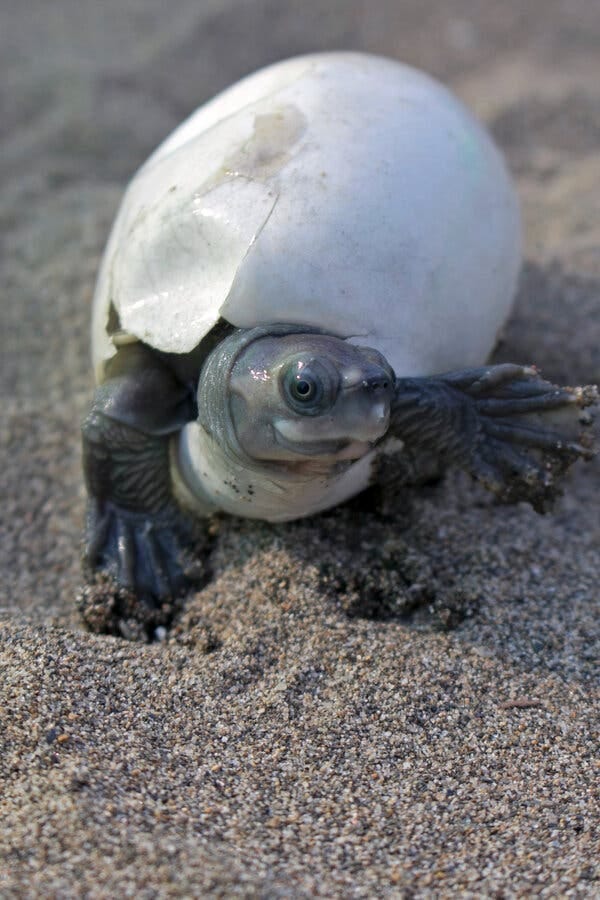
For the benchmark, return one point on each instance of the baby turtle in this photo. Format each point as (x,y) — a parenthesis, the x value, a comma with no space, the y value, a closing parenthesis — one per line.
(286,275)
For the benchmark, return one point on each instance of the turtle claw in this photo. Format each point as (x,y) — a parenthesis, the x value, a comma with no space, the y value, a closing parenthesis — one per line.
(150,557)
(529,433)
(506,425)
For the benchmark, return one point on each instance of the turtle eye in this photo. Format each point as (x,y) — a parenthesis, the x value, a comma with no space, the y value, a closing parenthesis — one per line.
(305,388)
(309,387)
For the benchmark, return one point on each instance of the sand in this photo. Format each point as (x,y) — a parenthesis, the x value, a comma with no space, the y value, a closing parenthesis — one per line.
(397,701)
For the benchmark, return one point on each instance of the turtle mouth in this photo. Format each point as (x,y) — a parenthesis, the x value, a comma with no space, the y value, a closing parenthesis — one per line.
(340,448)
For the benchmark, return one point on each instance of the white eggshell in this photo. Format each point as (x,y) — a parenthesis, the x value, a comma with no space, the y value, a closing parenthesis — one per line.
(339,190)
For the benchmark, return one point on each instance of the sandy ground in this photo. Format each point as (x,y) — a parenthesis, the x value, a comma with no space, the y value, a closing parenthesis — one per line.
(372,704)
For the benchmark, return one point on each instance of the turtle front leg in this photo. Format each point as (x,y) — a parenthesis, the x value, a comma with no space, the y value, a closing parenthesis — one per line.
(507,426)
(136,534)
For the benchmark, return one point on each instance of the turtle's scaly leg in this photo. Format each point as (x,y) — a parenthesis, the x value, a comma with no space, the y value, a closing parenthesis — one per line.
(511,429)
(135,530)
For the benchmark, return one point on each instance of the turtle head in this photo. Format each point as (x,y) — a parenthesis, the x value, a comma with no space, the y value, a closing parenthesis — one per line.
(296,397)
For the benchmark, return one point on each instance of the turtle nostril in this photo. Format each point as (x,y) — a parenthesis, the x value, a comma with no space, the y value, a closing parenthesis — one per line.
(376,383)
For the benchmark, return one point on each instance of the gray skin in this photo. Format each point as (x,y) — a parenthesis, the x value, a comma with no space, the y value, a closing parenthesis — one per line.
(324,404)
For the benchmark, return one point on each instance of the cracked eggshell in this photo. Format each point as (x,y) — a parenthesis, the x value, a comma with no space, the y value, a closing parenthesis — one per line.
(340,190)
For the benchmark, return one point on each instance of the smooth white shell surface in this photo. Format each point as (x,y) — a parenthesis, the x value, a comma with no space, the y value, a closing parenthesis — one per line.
(343,191)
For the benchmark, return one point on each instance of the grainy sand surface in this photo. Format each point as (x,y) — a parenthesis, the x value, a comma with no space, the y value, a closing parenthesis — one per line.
(373,704)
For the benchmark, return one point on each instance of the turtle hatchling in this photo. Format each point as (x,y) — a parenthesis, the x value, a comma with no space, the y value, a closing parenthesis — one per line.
(286,278)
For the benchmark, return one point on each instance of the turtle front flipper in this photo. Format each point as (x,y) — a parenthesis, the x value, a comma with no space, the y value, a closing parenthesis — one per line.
(137,537)
(507,426)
